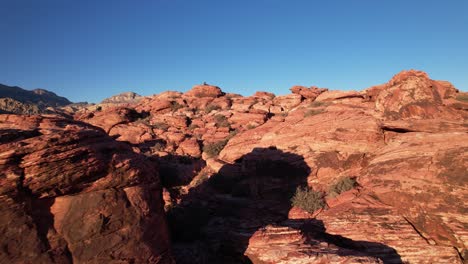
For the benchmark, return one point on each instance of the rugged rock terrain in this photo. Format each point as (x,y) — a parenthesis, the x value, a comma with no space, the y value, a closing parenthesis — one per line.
(19,101)
(230,166)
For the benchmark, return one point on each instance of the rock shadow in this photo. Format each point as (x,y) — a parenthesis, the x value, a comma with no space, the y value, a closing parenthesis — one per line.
(215,220)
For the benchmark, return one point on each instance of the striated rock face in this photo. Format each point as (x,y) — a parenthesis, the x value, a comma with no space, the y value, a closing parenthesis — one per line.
(71,194)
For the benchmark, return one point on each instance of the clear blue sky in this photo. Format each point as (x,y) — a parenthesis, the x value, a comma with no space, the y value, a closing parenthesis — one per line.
(89,50)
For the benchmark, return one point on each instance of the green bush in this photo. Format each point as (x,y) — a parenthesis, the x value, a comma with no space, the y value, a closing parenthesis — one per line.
(213,149)
(308,199)
(211,107)
(342,185)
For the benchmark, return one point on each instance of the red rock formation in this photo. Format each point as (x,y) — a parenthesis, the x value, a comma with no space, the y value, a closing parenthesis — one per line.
(308,93)
(70,193)
(403,141)
(204,91)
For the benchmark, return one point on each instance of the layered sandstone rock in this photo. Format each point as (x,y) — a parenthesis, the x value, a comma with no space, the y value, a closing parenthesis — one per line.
(403,141)
(71,194)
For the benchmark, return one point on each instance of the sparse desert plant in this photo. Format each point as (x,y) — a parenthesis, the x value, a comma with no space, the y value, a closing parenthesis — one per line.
(211,107)
(161,125)
(317,104)
(221,121)
(175,106)
(308,199)
(462,97)
(342,185)
(193,126)
(312,112)
(213,149)
(250,126)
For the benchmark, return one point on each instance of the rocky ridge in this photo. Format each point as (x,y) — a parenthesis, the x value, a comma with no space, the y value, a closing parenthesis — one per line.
(19,101)
(230,165)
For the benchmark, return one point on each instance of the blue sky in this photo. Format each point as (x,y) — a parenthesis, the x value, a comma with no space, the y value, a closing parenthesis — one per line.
(89,50)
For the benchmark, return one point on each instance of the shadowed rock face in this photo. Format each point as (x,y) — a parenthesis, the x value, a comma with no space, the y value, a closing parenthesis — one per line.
(240,215)
(70,194)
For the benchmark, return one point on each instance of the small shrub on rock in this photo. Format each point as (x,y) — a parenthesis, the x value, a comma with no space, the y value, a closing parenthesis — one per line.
(211,107)
(312,112)
(161,125)
(463,98)
(308,199)
(176,106)
(342,185)
(213,149)
(221,121)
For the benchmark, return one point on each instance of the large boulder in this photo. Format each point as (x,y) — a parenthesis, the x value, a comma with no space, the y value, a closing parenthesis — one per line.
(204,91)
(413,94)
(71,194)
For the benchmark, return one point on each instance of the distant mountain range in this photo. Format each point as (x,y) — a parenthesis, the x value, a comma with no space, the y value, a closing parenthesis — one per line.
(14,99)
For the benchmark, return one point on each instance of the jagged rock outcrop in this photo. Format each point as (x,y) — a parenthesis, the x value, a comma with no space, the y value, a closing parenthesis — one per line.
(71,194)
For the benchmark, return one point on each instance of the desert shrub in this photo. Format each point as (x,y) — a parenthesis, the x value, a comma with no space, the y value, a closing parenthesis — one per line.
(99,108)
(176,106)
(342,185)
(193,126)
(250,126)
(213,149)
(221,121)
(308,199)
(317,104)
(203,94)
(312,112)
(463,98)
(211,107)
(161,125)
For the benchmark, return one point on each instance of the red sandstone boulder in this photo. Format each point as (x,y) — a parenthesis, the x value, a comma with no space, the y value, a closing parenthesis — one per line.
(288,102)
(308,93)
(71,194)
(204,91)
(413,94)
